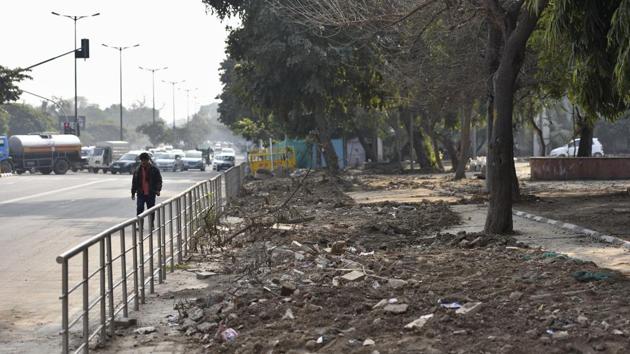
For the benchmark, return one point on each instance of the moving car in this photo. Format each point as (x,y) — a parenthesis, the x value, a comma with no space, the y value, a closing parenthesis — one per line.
(571,149)
(127,163)
(223,161)
(193,159)
(104,154)
(168,161)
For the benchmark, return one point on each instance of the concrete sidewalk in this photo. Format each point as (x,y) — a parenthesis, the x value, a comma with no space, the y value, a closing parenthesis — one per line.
(549,237)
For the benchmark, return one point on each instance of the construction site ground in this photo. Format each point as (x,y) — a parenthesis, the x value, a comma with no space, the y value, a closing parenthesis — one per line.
(395,264)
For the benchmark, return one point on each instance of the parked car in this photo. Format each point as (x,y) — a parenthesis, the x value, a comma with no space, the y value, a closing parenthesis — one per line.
(127,163)
(168,161)
(571,149)
(223,161)
(193,159)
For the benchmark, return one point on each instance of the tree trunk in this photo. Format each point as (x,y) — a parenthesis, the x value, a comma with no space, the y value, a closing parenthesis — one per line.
(501,162)
(421,144)
(464,146)
(448,144)
(325,141)
(539,133)
(493,56)
(586,138)
(369,150)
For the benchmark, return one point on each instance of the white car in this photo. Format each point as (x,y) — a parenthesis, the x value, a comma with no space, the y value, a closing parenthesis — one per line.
(168,161)
(223,162)
(571,149)
(193,159)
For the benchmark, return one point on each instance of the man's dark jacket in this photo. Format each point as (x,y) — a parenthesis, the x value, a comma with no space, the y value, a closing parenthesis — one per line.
(155,181)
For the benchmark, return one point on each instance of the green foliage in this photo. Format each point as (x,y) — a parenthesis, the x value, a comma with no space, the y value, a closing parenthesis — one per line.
(9,91)
(25,119)
(280,70)
(157,133)
(590,31)
(4,122)
(251,130)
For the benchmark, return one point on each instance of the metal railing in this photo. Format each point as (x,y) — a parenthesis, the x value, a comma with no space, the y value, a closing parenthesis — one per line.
(137,253)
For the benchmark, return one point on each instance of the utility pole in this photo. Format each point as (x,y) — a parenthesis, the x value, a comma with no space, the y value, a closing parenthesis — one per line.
(120,50)
(188,103)
(173,83)
(75,19)
(153,84)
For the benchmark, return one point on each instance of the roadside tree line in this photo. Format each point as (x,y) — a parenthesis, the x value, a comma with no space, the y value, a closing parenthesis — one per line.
(427,69)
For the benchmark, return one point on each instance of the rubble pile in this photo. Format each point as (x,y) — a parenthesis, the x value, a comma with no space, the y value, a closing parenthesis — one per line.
(337,277)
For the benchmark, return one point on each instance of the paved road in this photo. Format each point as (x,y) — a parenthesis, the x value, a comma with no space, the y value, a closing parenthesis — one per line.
(42,216)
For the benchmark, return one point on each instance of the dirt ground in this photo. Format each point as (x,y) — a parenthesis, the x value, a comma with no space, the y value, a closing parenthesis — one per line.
(302,267)
(603,206)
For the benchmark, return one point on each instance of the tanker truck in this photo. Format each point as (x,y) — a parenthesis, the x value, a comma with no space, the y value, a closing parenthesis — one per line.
(6,165)
(45,153)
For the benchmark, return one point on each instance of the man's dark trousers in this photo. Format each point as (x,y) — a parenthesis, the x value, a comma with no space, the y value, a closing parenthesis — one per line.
(142,199)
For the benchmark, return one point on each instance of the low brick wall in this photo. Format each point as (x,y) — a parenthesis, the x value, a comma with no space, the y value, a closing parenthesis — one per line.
(574,168)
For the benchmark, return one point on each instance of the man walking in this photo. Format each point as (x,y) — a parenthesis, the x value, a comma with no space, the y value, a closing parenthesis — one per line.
(146,183)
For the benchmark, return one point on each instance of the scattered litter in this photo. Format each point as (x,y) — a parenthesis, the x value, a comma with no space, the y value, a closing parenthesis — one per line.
(450,305)
(368,342)
(420,322)
(288,315)
(229,335)
(205,275)
(145,330)
(469,308)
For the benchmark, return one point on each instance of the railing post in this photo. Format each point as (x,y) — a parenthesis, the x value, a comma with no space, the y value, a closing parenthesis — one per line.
(134,240)
(110,283)
(171,228)
(101,270)
(141,260)
(86,299)
(151,272)
(163,235)
(159,245)
(191,216)
(185,224)
(123,270)
(179,229)
(65,341)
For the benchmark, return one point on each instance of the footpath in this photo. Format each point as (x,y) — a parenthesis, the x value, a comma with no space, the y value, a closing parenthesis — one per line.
(304,265)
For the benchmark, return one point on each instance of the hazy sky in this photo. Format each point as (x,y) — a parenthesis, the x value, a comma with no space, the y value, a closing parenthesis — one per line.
(174,33)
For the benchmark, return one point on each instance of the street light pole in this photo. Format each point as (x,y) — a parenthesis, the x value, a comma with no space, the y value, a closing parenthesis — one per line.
(120,50)
(75,18)
(153,84)
(173,83)
(188,103)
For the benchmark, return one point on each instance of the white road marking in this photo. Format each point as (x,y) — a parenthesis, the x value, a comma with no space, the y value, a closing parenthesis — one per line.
(54,191)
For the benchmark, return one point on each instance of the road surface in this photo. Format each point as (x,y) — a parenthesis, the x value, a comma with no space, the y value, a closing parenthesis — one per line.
(42,216)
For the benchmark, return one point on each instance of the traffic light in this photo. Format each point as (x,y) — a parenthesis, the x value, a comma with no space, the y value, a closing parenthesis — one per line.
(67,128)
(84,52)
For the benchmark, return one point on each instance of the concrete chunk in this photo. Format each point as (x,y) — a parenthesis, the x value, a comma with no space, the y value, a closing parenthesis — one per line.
(353,275)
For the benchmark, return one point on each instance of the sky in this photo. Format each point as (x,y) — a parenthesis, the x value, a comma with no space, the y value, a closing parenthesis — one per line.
(179,34)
